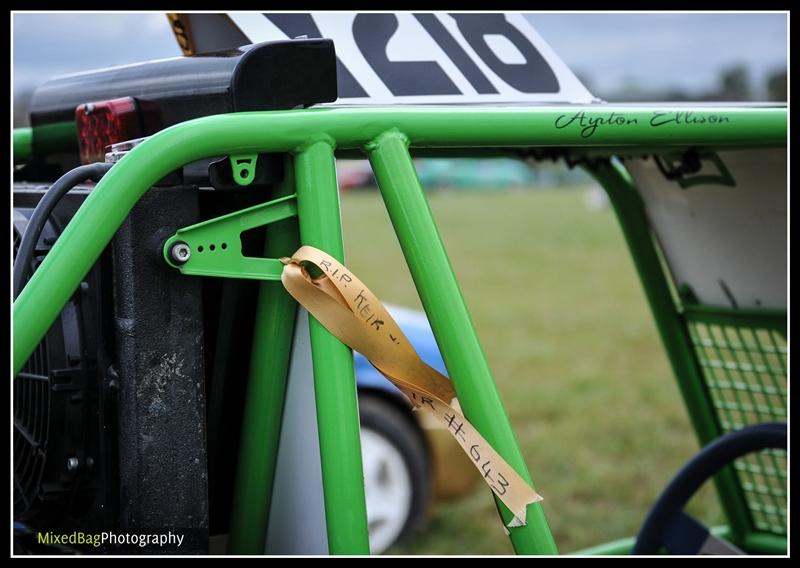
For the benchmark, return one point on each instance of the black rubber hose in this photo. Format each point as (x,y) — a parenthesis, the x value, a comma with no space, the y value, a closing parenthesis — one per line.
(712,458)
(27,246)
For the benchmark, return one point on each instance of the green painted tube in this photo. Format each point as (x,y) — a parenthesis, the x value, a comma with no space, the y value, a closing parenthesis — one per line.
(765,543)
(266,389)
(23,144)
(619,547)
(754,543)
(102,213)
(624,546)
(436,283)
(334,378)
(55,138)
(632,218)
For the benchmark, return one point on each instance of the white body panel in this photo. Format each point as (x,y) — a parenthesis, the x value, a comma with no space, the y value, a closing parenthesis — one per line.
(729,244)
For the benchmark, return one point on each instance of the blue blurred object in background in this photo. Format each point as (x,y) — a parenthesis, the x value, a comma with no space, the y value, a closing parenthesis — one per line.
(418,331)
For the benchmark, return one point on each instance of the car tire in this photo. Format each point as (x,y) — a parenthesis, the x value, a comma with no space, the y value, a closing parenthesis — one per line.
(397,476)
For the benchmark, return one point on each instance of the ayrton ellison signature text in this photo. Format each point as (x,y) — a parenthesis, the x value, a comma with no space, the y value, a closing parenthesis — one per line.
(589,125)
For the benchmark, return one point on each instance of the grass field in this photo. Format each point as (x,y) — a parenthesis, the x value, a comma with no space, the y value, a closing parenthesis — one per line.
(574,350)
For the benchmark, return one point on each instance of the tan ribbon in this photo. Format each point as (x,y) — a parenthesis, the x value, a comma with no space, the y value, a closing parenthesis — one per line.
(351,312)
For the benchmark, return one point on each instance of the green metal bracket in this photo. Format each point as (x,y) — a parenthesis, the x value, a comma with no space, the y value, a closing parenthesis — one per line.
(214,247)
(244,168)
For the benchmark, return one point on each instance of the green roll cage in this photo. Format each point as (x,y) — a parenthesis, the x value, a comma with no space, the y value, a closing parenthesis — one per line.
(311,140)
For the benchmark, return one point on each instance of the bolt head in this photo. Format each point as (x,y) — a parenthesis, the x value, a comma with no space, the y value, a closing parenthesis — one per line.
(72,464)
(180,253)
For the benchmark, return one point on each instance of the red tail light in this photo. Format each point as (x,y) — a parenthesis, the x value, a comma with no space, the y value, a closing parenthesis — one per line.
(103,123)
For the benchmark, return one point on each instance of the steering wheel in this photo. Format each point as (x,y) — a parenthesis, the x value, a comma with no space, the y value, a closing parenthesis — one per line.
(667,524)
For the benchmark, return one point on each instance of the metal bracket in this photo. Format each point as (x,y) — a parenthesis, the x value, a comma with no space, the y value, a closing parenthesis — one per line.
(214,247)
(692,163)
(244,168)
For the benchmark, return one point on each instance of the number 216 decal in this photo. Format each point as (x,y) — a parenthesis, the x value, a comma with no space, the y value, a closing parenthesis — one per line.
(430,58)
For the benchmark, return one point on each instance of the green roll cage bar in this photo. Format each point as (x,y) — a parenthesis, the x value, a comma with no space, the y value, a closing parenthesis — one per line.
(311,140)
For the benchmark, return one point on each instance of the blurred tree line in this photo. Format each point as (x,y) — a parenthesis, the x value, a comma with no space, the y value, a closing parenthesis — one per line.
(733,84)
